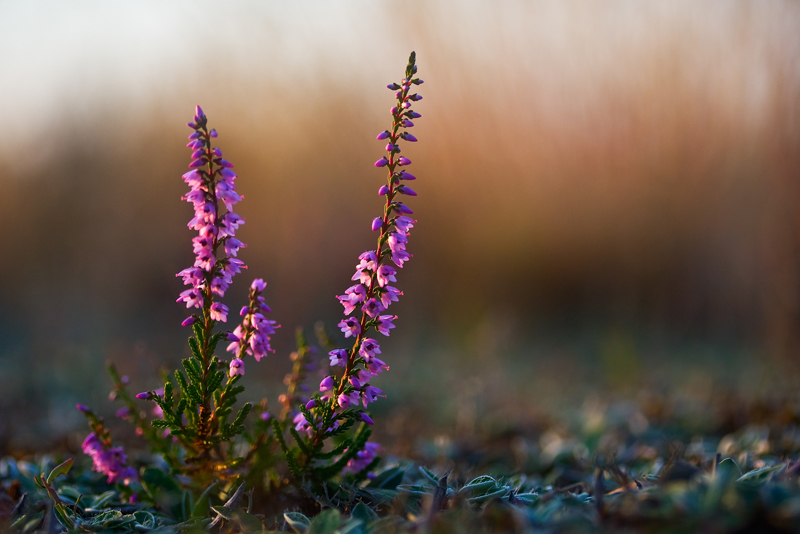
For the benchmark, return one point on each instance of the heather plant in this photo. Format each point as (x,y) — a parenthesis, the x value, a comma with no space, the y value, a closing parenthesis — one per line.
(190,423)
(337,413)
(193,428)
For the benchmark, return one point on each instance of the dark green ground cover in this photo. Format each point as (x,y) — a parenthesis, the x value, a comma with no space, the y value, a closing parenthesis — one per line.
(651,466)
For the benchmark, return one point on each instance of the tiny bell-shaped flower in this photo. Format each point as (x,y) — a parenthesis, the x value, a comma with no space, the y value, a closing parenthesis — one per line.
(382,162)
(237,367)
(383,135)
(377,223)
(383,190)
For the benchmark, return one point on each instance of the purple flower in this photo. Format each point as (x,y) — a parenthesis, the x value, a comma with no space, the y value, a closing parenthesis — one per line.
(386,274)
(369,348)
(365,418)
(404,224)
(389,294)
(376,366)
(91,445)
(385,324)
(399,257)
(407,123)
(345,401)
(363,458)
(370,394)
(338,357)
(413,114)
(407,176)
(258,285)
(123,413)
(352,297)
(110,462)
(383,190)
(383,135)
(377,223)
(403,161)
(326,384)
(145,395)
(82,408)
(236,367)
(372,307)
(218,312)
(189,320)
(301,425)
(350,327)
(192,297)
(408,137)
(405,190)
(397,241)
(382,162)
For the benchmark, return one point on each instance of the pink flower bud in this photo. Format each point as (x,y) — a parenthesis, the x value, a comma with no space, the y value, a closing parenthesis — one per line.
(403,161)
(383,135)
(382,162)
(383,190)
(377,223)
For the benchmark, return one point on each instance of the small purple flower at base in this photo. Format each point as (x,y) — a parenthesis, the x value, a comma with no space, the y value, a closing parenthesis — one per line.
(362,416)
(338,357)
(145,395)
(383,135)
(413,115)
(385,324)
(350,327)
(382,162)
(189,320)
(110,462)
(236,367)
(403,161)
(265,416)
(91,445)
(377,223)
(363,458)
(407,176)
(311,404)
(383,190)
(408,137)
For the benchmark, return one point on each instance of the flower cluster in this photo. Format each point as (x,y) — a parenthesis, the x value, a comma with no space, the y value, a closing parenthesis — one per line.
(373,291)
(211,181)
(252,336)
(108,460)
(111,461)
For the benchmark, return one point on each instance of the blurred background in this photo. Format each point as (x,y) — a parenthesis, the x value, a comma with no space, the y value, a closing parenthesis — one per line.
(609,194)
